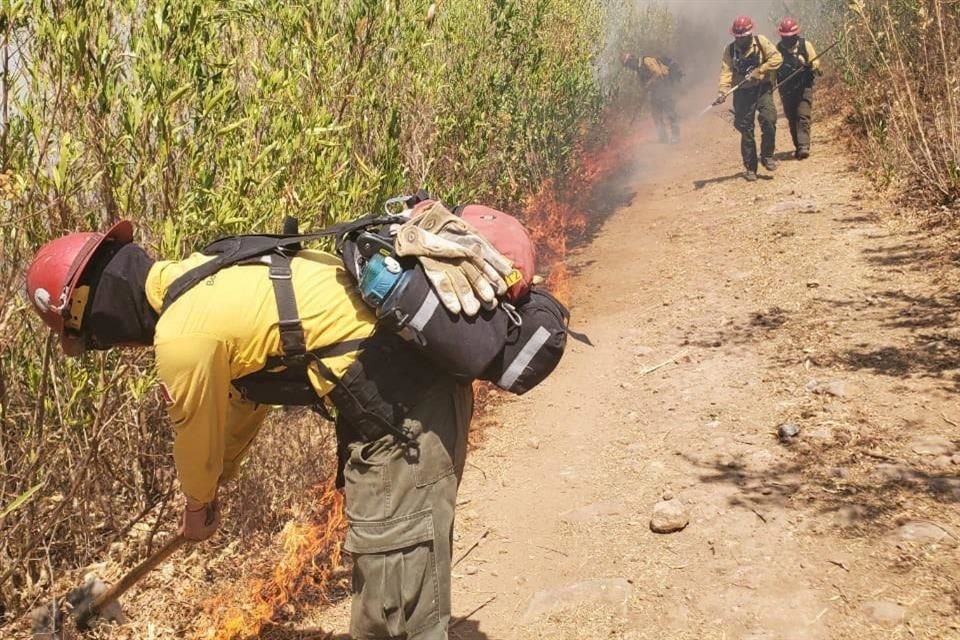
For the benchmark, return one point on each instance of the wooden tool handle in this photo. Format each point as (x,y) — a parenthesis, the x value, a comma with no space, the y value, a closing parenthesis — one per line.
(137,573)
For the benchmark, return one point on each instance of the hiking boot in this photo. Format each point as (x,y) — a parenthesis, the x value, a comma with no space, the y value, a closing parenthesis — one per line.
(803,154)
(769,164)
(750,176)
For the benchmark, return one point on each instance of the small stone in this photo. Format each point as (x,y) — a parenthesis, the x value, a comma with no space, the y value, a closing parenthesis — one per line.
(667,495)
(885,613)
(669,516)
(626,385)
(533,443)
(713,424)
(632,415)
(788,430)
(494,573)
(813,284)
(932,445)
(470,569)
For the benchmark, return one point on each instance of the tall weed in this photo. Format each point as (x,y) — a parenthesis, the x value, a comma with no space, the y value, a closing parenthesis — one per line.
(198,118)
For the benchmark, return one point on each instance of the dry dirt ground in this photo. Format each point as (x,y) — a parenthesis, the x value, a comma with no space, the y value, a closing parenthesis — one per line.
(720,310)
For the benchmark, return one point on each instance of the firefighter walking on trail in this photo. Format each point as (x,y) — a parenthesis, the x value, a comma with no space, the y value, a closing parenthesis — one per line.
(795,80)
(749,68)
(658,76)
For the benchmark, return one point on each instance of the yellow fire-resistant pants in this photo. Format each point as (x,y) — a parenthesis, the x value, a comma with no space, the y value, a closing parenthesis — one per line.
(400,499)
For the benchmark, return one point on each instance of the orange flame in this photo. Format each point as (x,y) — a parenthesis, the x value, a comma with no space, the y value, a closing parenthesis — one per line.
(558,214)
(309,549)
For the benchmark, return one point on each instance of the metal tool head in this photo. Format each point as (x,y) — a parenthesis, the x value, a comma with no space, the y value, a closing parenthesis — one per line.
(47,622)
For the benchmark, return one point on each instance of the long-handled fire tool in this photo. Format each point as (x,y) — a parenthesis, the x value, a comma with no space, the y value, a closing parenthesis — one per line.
(726,95)
(93,599)
(721,98)
(810,62)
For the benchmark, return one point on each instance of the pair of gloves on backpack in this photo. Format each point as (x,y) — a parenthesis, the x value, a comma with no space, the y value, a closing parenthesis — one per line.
(466,270)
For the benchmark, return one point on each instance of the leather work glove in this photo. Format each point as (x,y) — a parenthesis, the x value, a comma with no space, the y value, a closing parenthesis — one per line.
(467,272)
(200,519)
(721,98)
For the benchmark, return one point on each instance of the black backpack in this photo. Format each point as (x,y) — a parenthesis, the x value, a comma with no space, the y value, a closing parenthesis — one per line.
(515,347)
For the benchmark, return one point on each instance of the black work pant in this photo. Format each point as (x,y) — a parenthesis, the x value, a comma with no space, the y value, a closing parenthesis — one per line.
(664,112)
(798,107)
(751,104)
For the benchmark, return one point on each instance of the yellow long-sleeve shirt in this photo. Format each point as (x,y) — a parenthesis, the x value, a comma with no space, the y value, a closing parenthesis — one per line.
(769,60)
(225,328)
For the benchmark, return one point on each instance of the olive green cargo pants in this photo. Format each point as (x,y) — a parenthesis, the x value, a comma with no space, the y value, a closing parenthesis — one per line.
(798,108)
(400,500)
(751,104)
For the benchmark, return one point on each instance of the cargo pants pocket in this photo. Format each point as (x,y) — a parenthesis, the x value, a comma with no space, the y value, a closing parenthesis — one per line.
(395,585)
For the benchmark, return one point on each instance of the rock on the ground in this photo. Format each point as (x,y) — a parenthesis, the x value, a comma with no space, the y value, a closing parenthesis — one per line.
(788,430)
(590,512)
(923,532)
(932,445)
(885,613)
(614,592)
(669,516)
(533,443)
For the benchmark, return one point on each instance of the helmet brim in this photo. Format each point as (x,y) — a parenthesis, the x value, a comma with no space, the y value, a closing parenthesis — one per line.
(121,232)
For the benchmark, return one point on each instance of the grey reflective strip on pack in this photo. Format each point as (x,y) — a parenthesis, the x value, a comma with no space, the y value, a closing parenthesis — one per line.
(536,341)
(425,312)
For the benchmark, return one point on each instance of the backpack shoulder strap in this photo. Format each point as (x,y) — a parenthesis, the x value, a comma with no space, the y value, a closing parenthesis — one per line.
(233,250)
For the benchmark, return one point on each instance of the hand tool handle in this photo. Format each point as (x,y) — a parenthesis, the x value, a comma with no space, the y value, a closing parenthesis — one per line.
(137,573)
(809,62)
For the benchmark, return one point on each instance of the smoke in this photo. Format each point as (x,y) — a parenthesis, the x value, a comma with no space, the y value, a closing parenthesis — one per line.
(692,32)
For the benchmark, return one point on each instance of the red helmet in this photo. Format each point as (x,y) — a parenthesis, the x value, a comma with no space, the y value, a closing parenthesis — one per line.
(55,271)
(742,26)
(789,27)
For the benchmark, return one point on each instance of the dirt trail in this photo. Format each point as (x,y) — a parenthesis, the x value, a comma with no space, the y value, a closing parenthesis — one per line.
(784,301)
(720,310)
